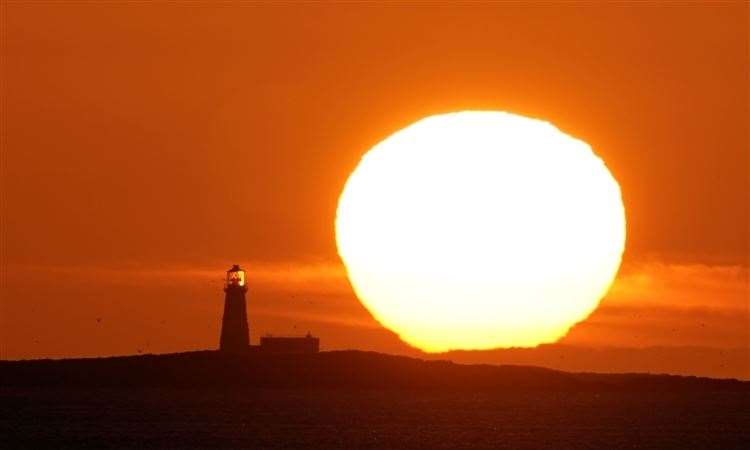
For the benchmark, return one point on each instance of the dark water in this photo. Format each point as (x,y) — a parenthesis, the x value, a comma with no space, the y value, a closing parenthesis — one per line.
(328,419)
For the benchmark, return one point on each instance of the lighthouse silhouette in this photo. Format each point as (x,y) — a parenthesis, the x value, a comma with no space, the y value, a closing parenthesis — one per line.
(235,336)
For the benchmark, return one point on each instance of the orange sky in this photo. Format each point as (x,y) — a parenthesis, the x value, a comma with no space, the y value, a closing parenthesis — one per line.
(147,148)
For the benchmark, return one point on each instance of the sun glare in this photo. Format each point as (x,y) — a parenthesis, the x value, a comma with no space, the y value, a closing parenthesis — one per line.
(480,229)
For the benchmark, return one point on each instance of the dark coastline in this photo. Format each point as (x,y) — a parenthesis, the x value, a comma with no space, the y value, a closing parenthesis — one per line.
(337,369)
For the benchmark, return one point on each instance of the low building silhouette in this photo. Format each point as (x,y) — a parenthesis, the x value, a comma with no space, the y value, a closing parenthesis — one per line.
(235,332)
(289,344)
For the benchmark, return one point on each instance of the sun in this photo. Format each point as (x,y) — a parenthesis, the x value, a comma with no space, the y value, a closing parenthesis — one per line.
(480,229)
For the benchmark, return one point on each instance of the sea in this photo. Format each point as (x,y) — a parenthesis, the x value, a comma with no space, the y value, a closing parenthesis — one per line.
(370,419)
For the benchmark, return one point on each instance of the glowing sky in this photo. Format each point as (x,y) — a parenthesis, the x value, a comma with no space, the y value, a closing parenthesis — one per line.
(148,148)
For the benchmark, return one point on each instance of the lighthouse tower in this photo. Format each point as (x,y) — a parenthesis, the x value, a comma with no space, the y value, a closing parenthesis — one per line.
(235,336)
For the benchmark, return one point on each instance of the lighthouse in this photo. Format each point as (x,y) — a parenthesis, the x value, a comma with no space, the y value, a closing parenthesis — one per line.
(235,336)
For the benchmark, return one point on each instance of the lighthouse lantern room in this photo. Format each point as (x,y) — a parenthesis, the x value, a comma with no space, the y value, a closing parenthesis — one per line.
(235,276)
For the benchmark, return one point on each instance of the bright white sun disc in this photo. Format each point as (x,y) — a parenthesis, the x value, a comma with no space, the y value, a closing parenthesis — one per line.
(480,229)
